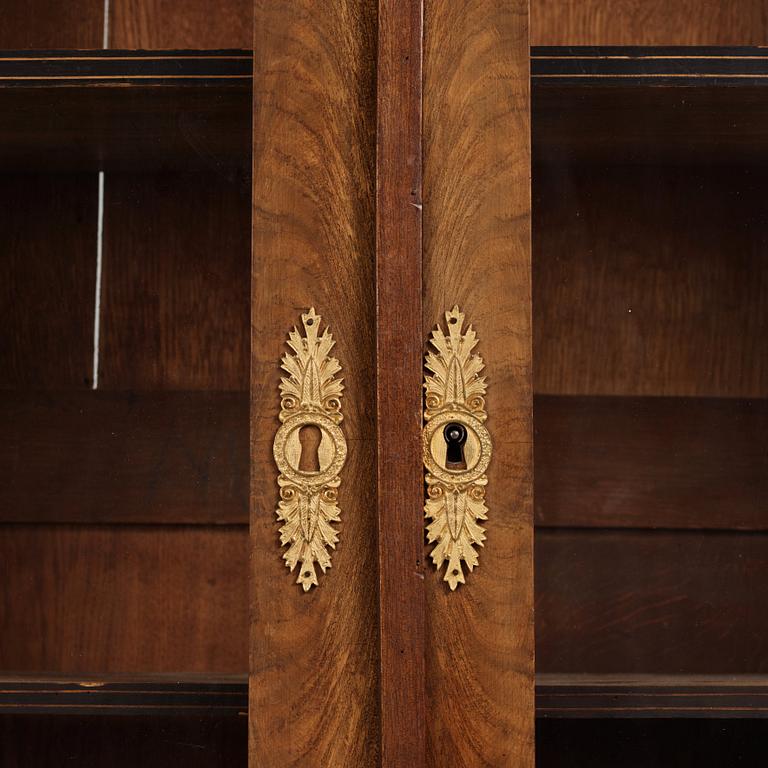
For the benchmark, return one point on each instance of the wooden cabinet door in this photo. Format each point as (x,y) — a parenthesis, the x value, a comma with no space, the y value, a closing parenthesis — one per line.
(390,184)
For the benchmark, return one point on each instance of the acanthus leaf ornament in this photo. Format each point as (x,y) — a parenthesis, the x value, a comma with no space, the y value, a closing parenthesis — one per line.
(310,401)
(456,448)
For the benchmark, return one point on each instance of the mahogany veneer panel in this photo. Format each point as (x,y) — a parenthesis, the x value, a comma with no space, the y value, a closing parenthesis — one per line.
(181,24)
(121,457)
(175,297)
(476,246)
(651,462)
(314,693)
(47,276)
(648,22)
(95,600)
(633,602)
(641,289)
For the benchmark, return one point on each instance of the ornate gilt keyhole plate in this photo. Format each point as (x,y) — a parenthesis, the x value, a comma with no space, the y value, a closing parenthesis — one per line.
(456,447)
(310,397)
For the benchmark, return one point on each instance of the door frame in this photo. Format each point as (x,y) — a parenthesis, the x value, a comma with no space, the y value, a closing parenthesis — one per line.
(391,180)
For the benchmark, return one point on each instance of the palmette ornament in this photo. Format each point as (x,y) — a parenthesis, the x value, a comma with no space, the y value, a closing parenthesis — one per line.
(310,401)
(456,447)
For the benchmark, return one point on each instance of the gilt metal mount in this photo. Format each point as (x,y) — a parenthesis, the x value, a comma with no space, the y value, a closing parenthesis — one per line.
(456,448)
(310,412)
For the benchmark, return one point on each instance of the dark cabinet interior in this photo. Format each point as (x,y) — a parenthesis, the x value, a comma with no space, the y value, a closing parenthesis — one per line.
(650,307)
(124,368)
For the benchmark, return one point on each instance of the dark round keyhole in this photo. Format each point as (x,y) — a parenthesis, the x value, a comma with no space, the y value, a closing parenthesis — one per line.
(455,435)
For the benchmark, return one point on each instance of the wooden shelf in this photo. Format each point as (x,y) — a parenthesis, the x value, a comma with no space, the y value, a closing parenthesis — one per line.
(198,722)
(651,696)
(153,695)
(649,105)
(113,110)
(648,601)
(651,462)
(124,457)
(147,109)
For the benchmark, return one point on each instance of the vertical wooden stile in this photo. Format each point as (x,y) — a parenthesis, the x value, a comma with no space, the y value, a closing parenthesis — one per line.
(477,254)
(314,656)
(399,385)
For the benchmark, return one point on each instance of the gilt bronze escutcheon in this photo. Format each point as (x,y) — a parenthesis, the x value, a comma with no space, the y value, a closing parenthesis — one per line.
(309,450)
(456,447)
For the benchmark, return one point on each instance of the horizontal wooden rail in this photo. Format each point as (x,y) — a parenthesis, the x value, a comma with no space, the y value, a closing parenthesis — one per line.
(643,696)
(156,695)
(115,110)
(667,65)
(125,110)
(579,696)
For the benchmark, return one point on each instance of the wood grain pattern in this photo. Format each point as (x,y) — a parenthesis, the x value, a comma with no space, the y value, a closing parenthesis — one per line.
(477,255)
(91,600)
(651,462)
(41,741)
(314,656)
(648,22)
(399,363)
(175,297)
(117,457)
(639,289)
(52,24)
(47,280)
(155,24)
(661,602)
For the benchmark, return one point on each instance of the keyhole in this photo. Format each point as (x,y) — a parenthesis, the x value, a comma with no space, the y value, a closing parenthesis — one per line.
(309,439)
(455,436)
